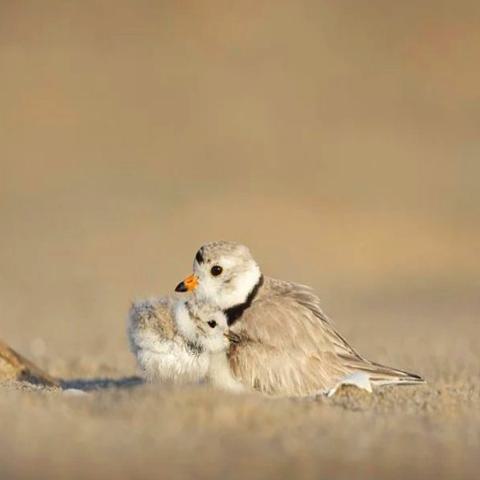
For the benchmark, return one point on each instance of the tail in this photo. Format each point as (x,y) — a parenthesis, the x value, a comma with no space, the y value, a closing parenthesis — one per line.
(381,375)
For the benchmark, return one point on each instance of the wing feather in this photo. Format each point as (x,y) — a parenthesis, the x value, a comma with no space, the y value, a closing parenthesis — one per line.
(285,345)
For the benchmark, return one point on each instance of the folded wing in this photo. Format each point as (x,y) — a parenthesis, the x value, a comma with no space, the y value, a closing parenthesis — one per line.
(285,345)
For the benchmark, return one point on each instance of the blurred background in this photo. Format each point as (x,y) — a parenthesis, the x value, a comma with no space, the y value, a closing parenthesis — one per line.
(339,140)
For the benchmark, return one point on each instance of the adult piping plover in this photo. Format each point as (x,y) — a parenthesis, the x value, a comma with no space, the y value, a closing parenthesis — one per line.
(162,353)
(280,341)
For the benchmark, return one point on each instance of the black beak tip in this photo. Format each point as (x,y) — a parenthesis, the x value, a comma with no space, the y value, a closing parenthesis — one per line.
(181,287)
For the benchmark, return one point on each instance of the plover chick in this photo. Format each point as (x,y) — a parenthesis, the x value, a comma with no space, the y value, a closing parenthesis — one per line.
(162,353)
(205,325)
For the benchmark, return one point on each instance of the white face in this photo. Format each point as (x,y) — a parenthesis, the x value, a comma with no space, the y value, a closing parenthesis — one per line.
(212,332)
(202,325)
(225,280)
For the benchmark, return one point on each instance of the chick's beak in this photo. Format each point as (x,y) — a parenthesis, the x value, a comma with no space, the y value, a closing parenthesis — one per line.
(189,284)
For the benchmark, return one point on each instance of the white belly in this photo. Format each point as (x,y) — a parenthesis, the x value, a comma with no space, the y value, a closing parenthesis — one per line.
(220,374)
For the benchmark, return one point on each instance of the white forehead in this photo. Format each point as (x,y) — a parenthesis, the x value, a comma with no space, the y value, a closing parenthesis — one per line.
(206,311)
(208,314)
(228,261)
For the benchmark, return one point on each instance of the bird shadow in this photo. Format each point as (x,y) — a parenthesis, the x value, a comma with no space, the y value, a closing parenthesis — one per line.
(94,384)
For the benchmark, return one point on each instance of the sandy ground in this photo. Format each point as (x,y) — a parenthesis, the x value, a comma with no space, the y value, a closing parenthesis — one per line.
(126,429)
(339,140)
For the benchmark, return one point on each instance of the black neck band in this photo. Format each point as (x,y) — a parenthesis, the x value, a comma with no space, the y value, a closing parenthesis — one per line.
(235,312)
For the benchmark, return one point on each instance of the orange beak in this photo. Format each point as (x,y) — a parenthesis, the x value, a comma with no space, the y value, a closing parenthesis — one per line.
(189,284)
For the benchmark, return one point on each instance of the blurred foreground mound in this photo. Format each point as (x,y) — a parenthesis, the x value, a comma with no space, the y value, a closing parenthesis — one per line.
(15,367)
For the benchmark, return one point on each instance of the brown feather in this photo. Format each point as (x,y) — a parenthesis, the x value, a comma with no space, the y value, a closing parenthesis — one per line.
(285,345)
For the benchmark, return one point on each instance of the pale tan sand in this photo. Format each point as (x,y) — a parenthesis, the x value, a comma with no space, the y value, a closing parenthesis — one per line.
(129,430)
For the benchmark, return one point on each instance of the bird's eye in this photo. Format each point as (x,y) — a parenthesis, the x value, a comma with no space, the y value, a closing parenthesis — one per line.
(212,323)
(216,270)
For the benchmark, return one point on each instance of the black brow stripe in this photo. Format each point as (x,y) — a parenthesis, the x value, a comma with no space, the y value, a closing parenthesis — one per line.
(235,312)
(199,256)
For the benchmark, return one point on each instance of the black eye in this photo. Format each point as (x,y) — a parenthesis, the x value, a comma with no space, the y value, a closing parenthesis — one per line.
(216,270)
(212,323)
